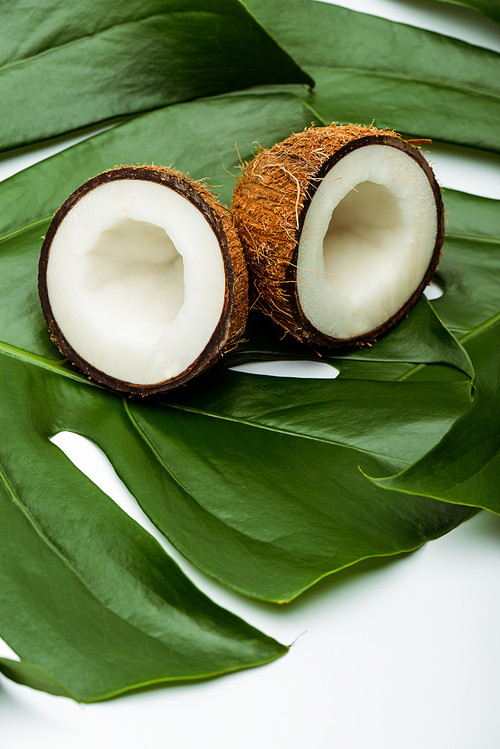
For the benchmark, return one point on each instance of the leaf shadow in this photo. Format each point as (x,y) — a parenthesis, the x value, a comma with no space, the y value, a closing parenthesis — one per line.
(194,683)
(357,573)
(460,14)
(8,701)
(335,583)
(4,696)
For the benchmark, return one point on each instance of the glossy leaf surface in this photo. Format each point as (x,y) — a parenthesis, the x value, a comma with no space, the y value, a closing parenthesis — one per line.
(87,597)
(463,467)
(63,67)
(410,80)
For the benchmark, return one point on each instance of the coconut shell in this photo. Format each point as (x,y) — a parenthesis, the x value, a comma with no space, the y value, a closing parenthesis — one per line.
(269,206)
(235,309)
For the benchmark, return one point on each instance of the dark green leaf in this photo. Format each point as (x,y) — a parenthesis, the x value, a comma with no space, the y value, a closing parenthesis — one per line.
(421,338)
(67,649)
(87,596)
(63,67)
(410,80)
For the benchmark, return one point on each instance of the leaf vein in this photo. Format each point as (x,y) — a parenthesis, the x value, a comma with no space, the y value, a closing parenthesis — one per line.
(286,432)
(468,89)
(26,227)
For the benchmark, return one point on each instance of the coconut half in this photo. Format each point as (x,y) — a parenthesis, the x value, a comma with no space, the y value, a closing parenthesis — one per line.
(142,279)
(342,228)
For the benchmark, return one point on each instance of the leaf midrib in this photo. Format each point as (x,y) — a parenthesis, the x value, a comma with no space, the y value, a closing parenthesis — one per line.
(56,367)
(180,484)
(468,89)
(480,328)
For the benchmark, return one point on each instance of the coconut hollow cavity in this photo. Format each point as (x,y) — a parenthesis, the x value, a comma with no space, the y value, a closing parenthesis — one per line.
(342,228)
(142,279)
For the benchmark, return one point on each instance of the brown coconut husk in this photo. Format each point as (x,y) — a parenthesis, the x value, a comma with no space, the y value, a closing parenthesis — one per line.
(232,321)
(269,206)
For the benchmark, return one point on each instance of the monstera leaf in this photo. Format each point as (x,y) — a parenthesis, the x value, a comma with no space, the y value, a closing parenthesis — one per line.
(62,68)
(256,480)
(410,80)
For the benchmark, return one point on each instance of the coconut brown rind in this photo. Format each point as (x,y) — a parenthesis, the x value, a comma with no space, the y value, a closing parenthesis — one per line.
(269,206)
(235,309)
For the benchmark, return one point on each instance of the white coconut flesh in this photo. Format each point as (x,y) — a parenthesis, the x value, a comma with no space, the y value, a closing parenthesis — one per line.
(136,280)
(367,241)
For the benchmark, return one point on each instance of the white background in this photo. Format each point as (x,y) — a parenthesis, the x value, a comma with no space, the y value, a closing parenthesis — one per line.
(391,654)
